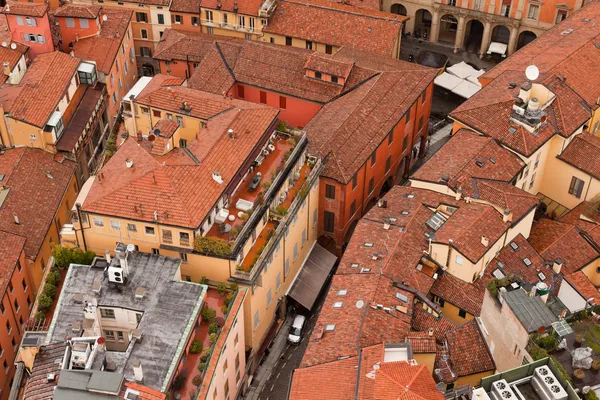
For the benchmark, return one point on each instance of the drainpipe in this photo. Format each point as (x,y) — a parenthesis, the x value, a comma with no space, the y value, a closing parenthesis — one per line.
(78,208)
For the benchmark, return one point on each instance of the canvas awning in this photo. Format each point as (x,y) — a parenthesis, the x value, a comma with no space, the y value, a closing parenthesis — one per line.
(466,89)
(462,70)
(447,81)
(498,48)
(310,279)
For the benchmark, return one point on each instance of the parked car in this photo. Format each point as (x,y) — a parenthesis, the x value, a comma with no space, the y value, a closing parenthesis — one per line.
(295,335)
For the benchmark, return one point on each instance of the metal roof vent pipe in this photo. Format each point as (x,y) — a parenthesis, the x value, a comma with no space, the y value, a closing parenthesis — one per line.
(557,265)
(507,215)
(138,374)
(458,195)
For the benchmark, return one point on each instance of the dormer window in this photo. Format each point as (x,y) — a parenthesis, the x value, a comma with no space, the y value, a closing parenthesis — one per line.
(318,75)
(87,73)
(55,123)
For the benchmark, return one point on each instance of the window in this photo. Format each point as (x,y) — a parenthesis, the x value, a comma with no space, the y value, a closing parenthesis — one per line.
(19,22)
(141,17)
(144,33)
(184,238)
(462,313)
(288,41)
(269,297)
(210,30)
(17,305)
(420,123)
(30,21)
(373,158)
(328,49)
(391,138)
(178,19)
(115,225)
(149,230)
(2,309)
(459,259)
(145,51)
(226,388)
(195,21)
(505,10)
(156,252)
(532,181)
(295,251)
(287,267)
(282,102)
(318,75)
(242,21)
(109,335)
(309,45)
(83,23)
(180,121)
(6,368)
(10,287)
(8,327)
(225,367)
(408,115)
(329,219)
(533,12)
(353,207)
(161,19)
(537,160)
(354,181)
(24,284)
(526,171)
(240,91)
(330,192)
(263,97)
(561,16)
(251,23)
(132,227)
(278,282)
(167,236)
(304,237)
(107,313)
(256,319)
(98,222)
(120,337)
(576,187)
(236,340)
(404,143)
(156,113)
(371,184)
(388,164)
(70,22)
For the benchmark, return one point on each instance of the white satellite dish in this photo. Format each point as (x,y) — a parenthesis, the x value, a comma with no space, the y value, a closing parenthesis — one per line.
(4,44)
(532,72)
(13,46)
(104,17)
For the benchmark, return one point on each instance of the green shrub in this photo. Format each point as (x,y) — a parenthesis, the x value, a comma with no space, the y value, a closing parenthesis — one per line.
(591,395)
(50,290)
(179,381)
(53,278)
(561,369)
(40,316)
(209,314)
(224,309)
(44,302)
(213,328)
(65,256)
(212,338)
(537,353)
(204,357)
(282,126)
(212,245)
(196,347)
(229,298)
(281,210)
(233,287)
(548,342)
(201,366)
(221,288)
(197,380)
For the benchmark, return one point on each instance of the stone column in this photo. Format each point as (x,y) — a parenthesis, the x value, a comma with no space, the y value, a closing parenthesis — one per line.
(410,24)
(460,34)
(485,40)
(512,41)
(520,6)
(435,27)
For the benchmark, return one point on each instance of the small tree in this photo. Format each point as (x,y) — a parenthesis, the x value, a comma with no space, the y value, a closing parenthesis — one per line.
(50,290)
(221,288)
(213,328)
(179,381)
(39,316)
(44,302)
(224,309)
(196,347)
(65,256)
(197,380)
(53,278)
(212,338)
(205,355)
(233,287)
(209,314)
(201,366)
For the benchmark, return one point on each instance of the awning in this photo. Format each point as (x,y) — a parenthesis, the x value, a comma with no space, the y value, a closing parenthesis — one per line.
(466,89)
(499,48)
(447,81)
(311,277)
(462,70)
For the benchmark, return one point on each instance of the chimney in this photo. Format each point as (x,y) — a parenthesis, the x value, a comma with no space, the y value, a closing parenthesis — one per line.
(485,241)
(458,195)
(129,163)
(386,224)
(507,217)
(137,371)
(139,136)
(6,67)
(17,220)
(525,92)
(123,263)
(557,266)
(430,331)
(217,177)
(230,134)
(107,255)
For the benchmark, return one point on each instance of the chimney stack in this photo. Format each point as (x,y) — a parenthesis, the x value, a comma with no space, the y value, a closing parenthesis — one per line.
(137,371)
(123,263)
(485,241)
(17,220)
(507,217)
(6,67)
(107,255)
(139,136)
(557,266)
(458,193)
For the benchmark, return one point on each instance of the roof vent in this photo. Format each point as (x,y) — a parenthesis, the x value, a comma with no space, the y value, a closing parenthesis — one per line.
(512,129)
(480,162)
(139,293)
(382,203)
(50,378)
(485,241)
(492,160)
(445,178)
(185,106)
(217,177)
(567,31)
(527,262)
(512,85)
(77,298)
(16,217)
(514,246)
(129,163)
(230,134)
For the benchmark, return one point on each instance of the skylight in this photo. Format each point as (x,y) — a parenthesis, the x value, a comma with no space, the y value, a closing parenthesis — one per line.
(402,297)
(405,213)
(354,265)
(436,221)
(329,327)
(527,262)
(514,246)
(368,244)
(342,292)
(338,304)
(498,274)
(541,276)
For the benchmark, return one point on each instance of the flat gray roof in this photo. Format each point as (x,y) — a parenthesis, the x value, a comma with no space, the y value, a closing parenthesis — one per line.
(531,312)
(170,308)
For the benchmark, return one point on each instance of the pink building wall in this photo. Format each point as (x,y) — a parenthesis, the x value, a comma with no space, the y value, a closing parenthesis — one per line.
(41,31)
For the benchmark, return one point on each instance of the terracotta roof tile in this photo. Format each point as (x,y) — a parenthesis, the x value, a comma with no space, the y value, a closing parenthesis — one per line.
(338,25)
(42,87)
(190,46)
(400,380)
(24,8)
(11,247)
(37,185)
(584,154)
(316,382)
(180,194)
(468,351)
(421,342)
(186,6)
(423,321)
(584,286)
(553,239)
(145,393)
(10,56)
(458,160)
(78,11)
(103,48)
(38,387)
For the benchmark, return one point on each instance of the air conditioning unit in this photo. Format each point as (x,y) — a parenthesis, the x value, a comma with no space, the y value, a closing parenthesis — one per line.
(546,384)
(115,274)
(502,391)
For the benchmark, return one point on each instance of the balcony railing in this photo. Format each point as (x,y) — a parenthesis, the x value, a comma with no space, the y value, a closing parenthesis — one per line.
(477,12)
(226,25)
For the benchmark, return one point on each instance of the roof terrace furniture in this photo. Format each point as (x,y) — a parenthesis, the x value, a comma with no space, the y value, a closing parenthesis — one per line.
(222,216)
(244,205)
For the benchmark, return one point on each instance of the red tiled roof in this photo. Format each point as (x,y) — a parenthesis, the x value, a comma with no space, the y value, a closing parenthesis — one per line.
(187,46)
(553,239)
(42,87)
(10,56)
(179,194)
(78,11)
(584,286)
(583,153)
(37,184)
(11,247)
(186,6)
(468,351)
(38,387)
(161,143)
(247,7)
(400,380)
(504,196)
(421,342)
(458,160)
(103,48)
(464,295)
(317,382)
(145,393)
(337,24)
(423,321)
(24,8)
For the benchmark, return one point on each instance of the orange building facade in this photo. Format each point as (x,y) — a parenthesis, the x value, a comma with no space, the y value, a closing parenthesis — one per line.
(29,24)
(16,299)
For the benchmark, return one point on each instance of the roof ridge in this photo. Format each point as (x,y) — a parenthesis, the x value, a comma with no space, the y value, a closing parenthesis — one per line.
(561,236)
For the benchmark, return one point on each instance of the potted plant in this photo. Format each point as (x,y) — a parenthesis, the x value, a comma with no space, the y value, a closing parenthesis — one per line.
(579,374)
(578,339)
(596,365)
